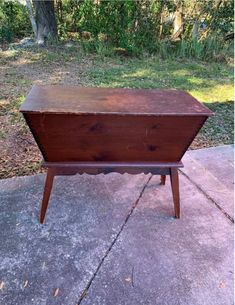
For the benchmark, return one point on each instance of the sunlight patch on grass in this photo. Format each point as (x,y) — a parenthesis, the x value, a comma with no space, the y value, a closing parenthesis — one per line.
(181,72)
(208,83)
(216,93)
(8,54)
(3,102)
(196,80)
(140,73)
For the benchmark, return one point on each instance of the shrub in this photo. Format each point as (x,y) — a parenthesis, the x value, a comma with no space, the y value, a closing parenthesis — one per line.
(14,21)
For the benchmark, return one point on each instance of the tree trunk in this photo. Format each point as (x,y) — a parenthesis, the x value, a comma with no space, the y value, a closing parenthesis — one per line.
(162,17)
(195,31)
(178,22)
(31,16)
(45,20)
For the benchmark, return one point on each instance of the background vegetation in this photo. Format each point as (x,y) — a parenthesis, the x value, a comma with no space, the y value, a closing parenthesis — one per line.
(170,28)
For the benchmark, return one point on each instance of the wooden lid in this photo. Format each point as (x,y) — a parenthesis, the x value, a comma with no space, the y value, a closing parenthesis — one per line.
(84,100)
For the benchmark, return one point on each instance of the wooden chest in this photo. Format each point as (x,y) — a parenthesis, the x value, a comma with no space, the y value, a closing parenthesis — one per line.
(96,124)
(77,126)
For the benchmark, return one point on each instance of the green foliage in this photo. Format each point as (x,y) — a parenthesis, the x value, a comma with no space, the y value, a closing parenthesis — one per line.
(99,47)
(126,24)
(14,21)
(210,48)
(6,34)
(136,27)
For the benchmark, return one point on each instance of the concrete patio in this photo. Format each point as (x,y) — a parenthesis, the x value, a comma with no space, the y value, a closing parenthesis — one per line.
(112,240)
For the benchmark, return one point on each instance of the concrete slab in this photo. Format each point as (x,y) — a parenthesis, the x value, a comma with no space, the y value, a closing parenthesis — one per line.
(160,260)
(212,169)
(97,247)
(219,161)
(84,217)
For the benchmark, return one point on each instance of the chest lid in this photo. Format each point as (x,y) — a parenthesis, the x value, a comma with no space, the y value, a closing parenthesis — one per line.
(89,100)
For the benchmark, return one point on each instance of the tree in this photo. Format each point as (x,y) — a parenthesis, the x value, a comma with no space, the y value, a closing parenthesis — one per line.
(178,21)
(43,21)
(31,17)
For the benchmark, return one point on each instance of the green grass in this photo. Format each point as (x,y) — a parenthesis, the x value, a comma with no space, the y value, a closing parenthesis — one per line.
(207,82)
(219,129)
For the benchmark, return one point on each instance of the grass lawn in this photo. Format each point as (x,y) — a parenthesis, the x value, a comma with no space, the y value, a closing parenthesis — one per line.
(211,83)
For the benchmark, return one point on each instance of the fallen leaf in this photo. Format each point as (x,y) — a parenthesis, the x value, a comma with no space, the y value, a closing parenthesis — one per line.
(56,292)
(128,279)
(2,284)
(221,285)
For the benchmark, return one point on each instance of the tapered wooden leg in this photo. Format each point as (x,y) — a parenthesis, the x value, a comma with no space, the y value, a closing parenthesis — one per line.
(175,190)
(47,193)
(163,180)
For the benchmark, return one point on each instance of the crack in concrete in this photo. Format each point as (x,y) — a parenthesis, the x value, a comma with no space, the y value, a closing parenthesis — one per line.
(208,197)
(84,293)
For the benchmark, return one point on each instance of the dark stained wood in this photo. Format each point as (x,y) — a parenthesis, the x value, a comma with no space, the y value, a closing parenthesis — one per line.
(117,165)
(163,180)
(81,100)
(68,138)
(175,190)
(47,192)
(101,130)
(94,168)
(69,168)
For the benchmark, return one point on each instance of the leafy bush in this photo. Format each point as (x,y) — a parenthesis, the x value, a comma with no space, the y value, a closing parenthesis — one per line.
(14,21)
(133,27)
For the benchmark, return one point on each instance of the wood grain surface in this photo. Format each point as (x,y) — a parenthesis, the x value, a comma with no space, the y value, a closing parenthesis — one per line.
(83,100)
(69,137)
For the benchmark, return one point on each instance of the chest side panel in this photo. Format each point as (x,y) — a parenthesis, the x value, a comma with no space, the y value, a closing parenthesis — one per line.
(70,137)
